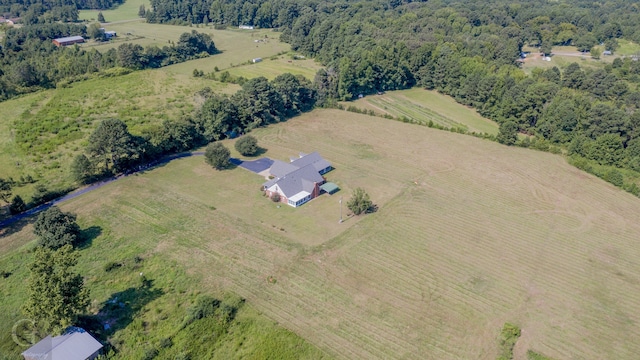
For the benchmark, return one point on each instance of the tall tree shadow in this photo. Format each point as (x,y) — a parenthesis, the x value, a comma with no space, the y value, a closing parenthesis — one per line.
(120,309)
(86,236)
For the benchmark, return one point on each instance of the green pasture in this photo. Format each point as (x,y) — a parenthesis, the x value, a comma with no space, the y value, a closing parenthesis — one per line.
(237,46)
(422,106)
(274,66)
(468,235)
(127,11)
(627,48)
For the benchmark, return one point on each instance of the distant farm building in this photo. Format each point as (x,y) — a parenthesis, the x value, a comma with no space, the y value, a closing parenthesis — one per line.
(607,52)
(74,344)
(300,180)
(110,34)
(246,27)
(257,60)
(65,41)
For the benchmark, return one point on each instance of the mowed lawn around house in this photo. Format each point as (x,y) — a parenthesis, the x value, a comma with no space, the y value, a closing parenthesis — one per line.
(469,235)
(422,106)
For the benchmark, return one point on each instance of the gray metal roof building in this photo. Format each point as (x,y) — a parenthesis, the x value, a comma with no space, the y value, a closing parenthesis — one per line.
(74,344)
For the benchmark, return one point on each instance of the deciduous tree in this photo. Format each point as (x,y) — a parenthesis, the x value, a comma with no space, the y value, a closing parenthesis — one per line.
(56,295)
(110,143)
(247,145)
(217,155)
(82,169)
(55,228)
(360,203)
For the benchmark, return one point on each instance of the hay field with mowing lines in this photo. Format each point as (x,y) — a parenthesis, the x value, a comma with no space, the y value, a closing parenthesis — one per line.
(469,235)
(423,106)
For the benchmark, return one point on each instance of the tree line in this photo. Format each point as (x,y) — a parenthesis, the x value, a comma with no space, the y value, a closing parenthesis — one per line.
(29,60)
(47,11)
(468,50)
(113,149)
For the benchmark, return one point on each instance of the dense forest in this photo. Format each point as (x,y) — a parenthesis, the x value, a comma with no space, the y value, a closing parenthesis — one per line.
(30,8)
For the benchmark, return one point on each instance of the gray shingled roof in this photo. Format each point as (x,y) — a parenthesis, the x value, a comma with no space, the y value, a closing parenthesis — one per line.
(303,179)
(314,158)
(280,168)
(75,344)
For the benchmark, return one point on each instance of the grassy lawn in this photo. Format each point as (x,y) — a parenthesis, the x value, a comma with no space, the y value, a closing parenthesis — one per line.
(627,48)
(42,132)
(237,46)
(127,11)
(272,67)
(423,106)
(469,235)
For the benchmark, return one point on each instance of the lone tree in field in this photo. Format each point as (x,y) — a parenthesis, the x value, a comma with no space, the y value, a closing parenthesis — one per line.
(217,155)
(56,229)
(247,145)
(56,294)
(101,17)
(360,202)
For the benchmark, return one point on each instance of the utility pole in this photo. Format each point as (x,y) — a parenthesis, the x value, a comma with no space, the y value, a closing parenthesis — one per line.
(340,209)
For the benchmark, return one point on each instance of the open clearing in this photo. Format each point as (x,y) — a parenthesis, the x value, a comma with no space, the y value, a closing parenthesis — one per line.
(127,11)
(423,106)
(469,235)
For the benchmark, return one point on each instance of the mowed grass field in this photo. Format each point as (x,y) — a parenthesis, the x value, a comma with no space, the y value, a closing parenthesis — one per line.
(127,11)
(423,106)
(237,46)
(469,235)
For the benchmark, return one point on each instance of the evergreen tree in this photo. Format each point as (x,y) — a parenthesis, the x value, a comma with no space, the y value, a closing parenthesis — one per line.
(101,17)
(142,11)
